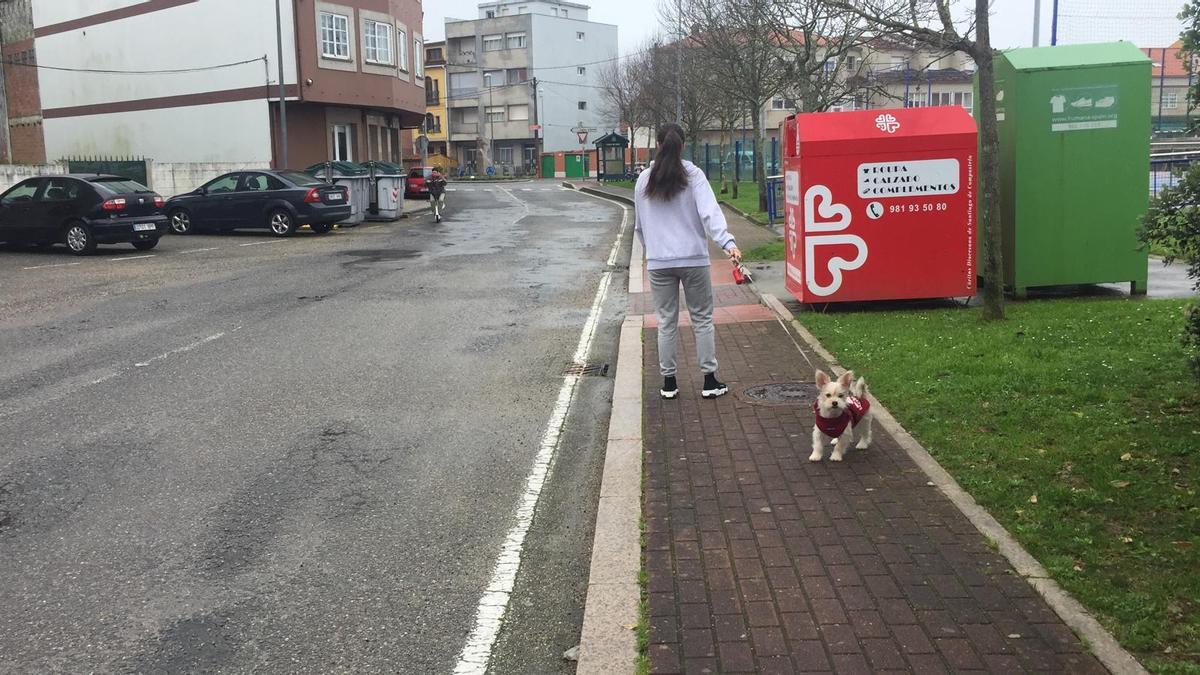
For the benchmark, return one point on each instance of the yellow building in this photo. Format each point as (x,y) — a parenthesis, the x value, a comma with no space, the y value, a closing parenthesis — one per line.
(437,122)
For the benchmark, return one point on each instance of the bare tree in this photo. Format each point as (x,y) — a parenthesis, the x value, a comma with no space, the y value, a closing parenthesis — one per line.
(931,23)
(622,94)
(743,52)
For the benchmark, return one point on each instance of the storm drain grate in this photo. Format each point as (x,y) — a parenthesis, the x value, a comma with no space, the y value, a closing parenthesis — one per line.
(781,393)
(592,369)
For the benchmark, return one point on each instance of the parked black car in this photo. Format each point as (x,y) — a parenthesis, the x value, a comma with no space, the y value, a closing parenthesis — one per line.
(81,211)
(278,200)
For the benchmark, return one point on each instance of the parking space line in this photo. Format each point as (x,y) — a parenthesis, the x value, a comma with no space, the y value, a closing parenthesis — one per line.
(199,250)
(132,257)
(260,243)
(42,267)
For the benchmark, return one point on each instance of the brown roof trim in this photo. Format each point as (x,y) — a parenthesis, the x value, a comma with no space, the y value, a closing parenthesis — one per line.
(137,9)
(182,101)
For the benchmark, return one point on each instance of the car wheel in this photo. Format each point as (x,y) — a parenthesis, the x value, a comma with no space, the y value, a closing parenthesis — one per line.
(321,228)
(181,222)
(145,245)
(282,223)
(79,239)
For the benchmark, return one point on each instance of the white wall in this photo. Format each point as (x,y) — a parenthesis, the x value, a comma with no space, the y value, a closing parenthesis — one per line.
(555,53)
(11,174)
(220,132)
(173,179)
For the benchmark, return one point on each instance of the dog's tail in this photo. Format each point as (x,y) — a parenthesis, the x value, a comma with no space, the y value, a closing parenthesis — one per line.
(859,388)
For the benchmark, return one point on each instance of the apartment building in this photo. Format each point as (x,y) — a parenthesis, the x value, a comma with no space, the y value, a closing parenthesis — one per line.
(436,127)
(187,80)
(1169,89)
(520,76)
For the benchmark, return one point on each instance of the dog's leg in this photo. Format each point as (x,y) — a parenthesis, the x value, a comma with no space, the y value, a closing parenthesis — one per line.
(843,444)
(868,435)
(818,446)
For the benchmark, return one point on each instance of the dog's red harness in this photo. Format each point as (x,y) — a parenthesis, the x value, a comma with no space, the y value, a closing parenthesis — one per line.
(856,409)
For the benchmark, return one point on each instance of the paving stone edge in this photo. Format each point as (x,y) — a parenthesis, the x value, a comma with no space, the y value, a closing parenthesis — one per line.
(608,641)
(1103,645)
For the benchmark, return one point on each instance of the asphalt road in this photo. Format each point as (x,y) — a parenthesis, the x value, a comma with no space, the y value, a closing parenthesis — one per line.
(301,455)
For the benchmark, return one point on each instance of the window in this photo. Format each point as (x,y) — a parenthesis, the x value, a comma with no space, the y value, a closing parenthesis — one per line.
(917,99)
(434,55)
(563,14)
(493,78)
(61,190)
(341,143)
(580,36)
(401,46)
(518,113)
(1170,100)
(490,14)
(227,183)
(377,42)
(418,58)
(783,104)
(494,113)
(581,70)
(493,43)
(851,62)
(966,99)
(464,85)
(583,105)
(433,95)
(469,115)
(516,40)
(504,154)
(517,75)
(831,65)
(257,182)
(335,36)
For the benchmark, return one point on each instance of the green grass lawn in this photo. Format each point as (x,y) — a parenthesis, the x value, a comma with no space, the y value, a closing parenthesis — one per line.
(773,251)
(1075,423)
(747,200)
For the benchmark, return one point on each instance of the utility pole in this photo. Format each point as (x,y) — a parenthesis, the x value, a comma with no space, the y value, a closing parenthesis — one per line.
(1054,26)
(283,128)
(5,142)
(537,133)
(679,66)
(1037,22)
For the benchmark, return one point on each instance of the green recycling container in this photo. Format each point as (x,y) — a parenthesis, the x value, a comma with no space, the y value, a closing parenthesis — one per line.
(1074,128)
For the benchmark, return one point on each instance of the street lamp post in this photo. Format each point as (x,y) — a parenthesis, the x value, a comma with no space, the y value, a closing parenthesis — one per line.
(283,129)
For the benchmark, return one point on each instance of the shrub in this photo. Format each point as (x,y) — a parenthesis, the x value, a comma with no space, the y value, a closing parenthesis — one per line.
(1173,225)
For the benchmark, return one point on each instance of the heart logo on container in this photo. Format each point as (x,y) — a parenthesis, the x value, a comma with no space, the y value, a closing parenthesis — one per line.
(837,265)
(821,213)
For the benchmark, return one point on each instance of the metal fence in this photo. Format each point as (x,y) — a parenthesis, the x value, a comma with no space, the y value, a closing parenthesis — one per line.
(133,168)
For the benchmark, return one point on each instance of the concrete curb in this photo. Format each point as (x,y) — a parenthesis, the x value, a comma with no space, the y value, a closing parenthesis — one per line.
(608,643)
(1097,638)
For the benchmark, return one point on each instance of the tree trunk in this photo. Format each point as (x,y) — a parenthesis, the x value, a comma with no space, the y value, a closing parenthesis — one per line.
(721,162)
(989,180)
(760,164)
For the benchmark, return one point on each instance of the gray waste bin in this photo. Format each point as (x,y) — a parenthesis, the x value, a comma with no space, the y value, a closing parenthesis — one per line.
(387,190)
(356,179)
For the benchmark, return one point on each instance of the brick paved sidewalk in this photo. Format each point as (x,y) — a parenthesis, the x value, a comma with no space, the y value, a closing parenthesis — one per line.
(760,561)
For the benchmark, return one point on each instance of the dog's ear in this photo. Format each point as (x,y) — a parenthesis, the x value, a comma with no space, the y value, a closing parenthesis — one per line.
(846,378)
(822,378)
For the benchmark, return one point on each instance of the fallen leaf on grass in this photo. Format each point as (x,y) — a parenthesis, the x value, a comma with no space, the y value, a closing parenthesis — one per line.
(1126,457)
(1077,413)
(1119,483)
(1182,544)
(1127,540)
(1033,499)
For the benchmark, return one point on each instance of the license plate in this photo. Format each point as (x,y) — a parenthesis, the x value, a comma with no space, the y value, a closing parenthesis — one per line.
(335,196)
(144,227)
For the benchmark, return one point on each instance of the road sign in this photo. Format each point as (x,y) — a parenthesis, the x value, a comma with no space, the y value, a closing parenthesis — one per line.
(582,136)
(491,171)
(422,143)
(535,127)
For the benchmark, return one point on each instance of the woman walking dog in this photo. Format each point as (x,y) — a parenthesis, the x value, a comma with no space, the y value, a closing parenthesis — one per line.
(674,208)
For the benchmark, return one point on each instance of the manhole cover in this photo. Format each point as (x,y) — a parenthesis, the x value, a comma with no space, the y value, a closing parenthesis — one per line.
(781,393)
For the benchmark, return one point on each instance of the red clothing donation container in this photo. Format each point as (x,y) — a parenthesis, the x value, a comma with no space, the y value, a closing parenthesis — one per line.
(880,204)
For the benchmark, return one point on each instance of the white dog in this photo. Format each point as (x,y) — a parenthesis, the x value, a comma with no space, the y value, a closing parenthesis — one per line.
(841,407)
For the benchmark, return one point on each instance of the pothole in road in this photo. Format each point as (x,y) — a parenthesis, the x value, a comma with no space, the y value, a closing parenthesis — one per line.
(379,255)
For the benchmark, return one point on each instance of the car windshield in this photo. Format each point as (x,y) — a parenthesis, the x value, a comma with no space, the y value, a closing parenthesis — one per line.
(301,179)
(122,186)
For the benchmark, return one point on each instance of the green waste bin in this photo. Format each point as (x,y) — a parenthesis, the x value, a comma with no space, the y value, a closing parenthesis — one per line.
(357,180)
(1074,128)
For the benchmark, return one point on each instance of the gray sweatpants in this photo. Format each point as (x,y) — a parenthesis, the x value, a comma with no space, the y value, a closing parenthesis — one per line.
(697,291)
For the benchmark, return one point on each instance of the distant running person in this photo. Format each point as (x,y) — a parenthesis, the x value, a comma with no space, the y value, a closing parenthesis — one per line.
(437,193)
(674,208)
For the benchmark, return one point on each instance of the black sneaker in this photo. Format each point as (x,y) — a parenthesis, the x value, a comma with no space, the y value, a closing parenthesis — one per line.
(713,387)
(669,389)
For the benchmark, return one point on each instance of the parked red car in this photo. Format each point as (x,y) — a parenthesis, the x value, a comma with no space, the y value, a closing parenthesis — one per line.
(414,185)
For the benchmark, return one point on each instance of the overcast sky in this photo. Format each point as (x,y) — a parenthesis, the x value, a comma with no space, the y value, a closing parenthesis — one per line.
(1151,24)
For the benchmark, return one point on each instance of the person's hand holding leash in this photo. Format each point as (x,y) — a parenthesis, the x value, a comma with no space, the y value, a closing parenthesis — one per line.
(735,254)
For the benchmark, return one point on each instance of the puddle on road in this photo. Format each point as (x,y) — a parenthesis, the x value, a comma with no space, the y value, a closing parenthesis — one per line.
(379,255)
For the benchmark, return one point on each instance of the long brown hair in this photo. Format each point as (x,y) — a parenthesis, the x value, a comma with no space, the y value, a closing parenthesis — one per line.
(668,177)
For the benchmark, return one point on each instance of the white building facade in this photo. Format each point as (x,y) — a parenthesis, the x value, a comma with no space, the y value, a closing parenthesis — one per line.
(521,76)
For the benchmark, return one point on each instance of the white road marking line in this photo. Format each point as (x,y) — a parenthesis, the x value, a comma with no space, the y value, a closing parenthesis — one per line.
(199,250)
(526,189)
(105,378)
(260,243)
(42,267)
(132,257)
(489,615)
(181,350)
